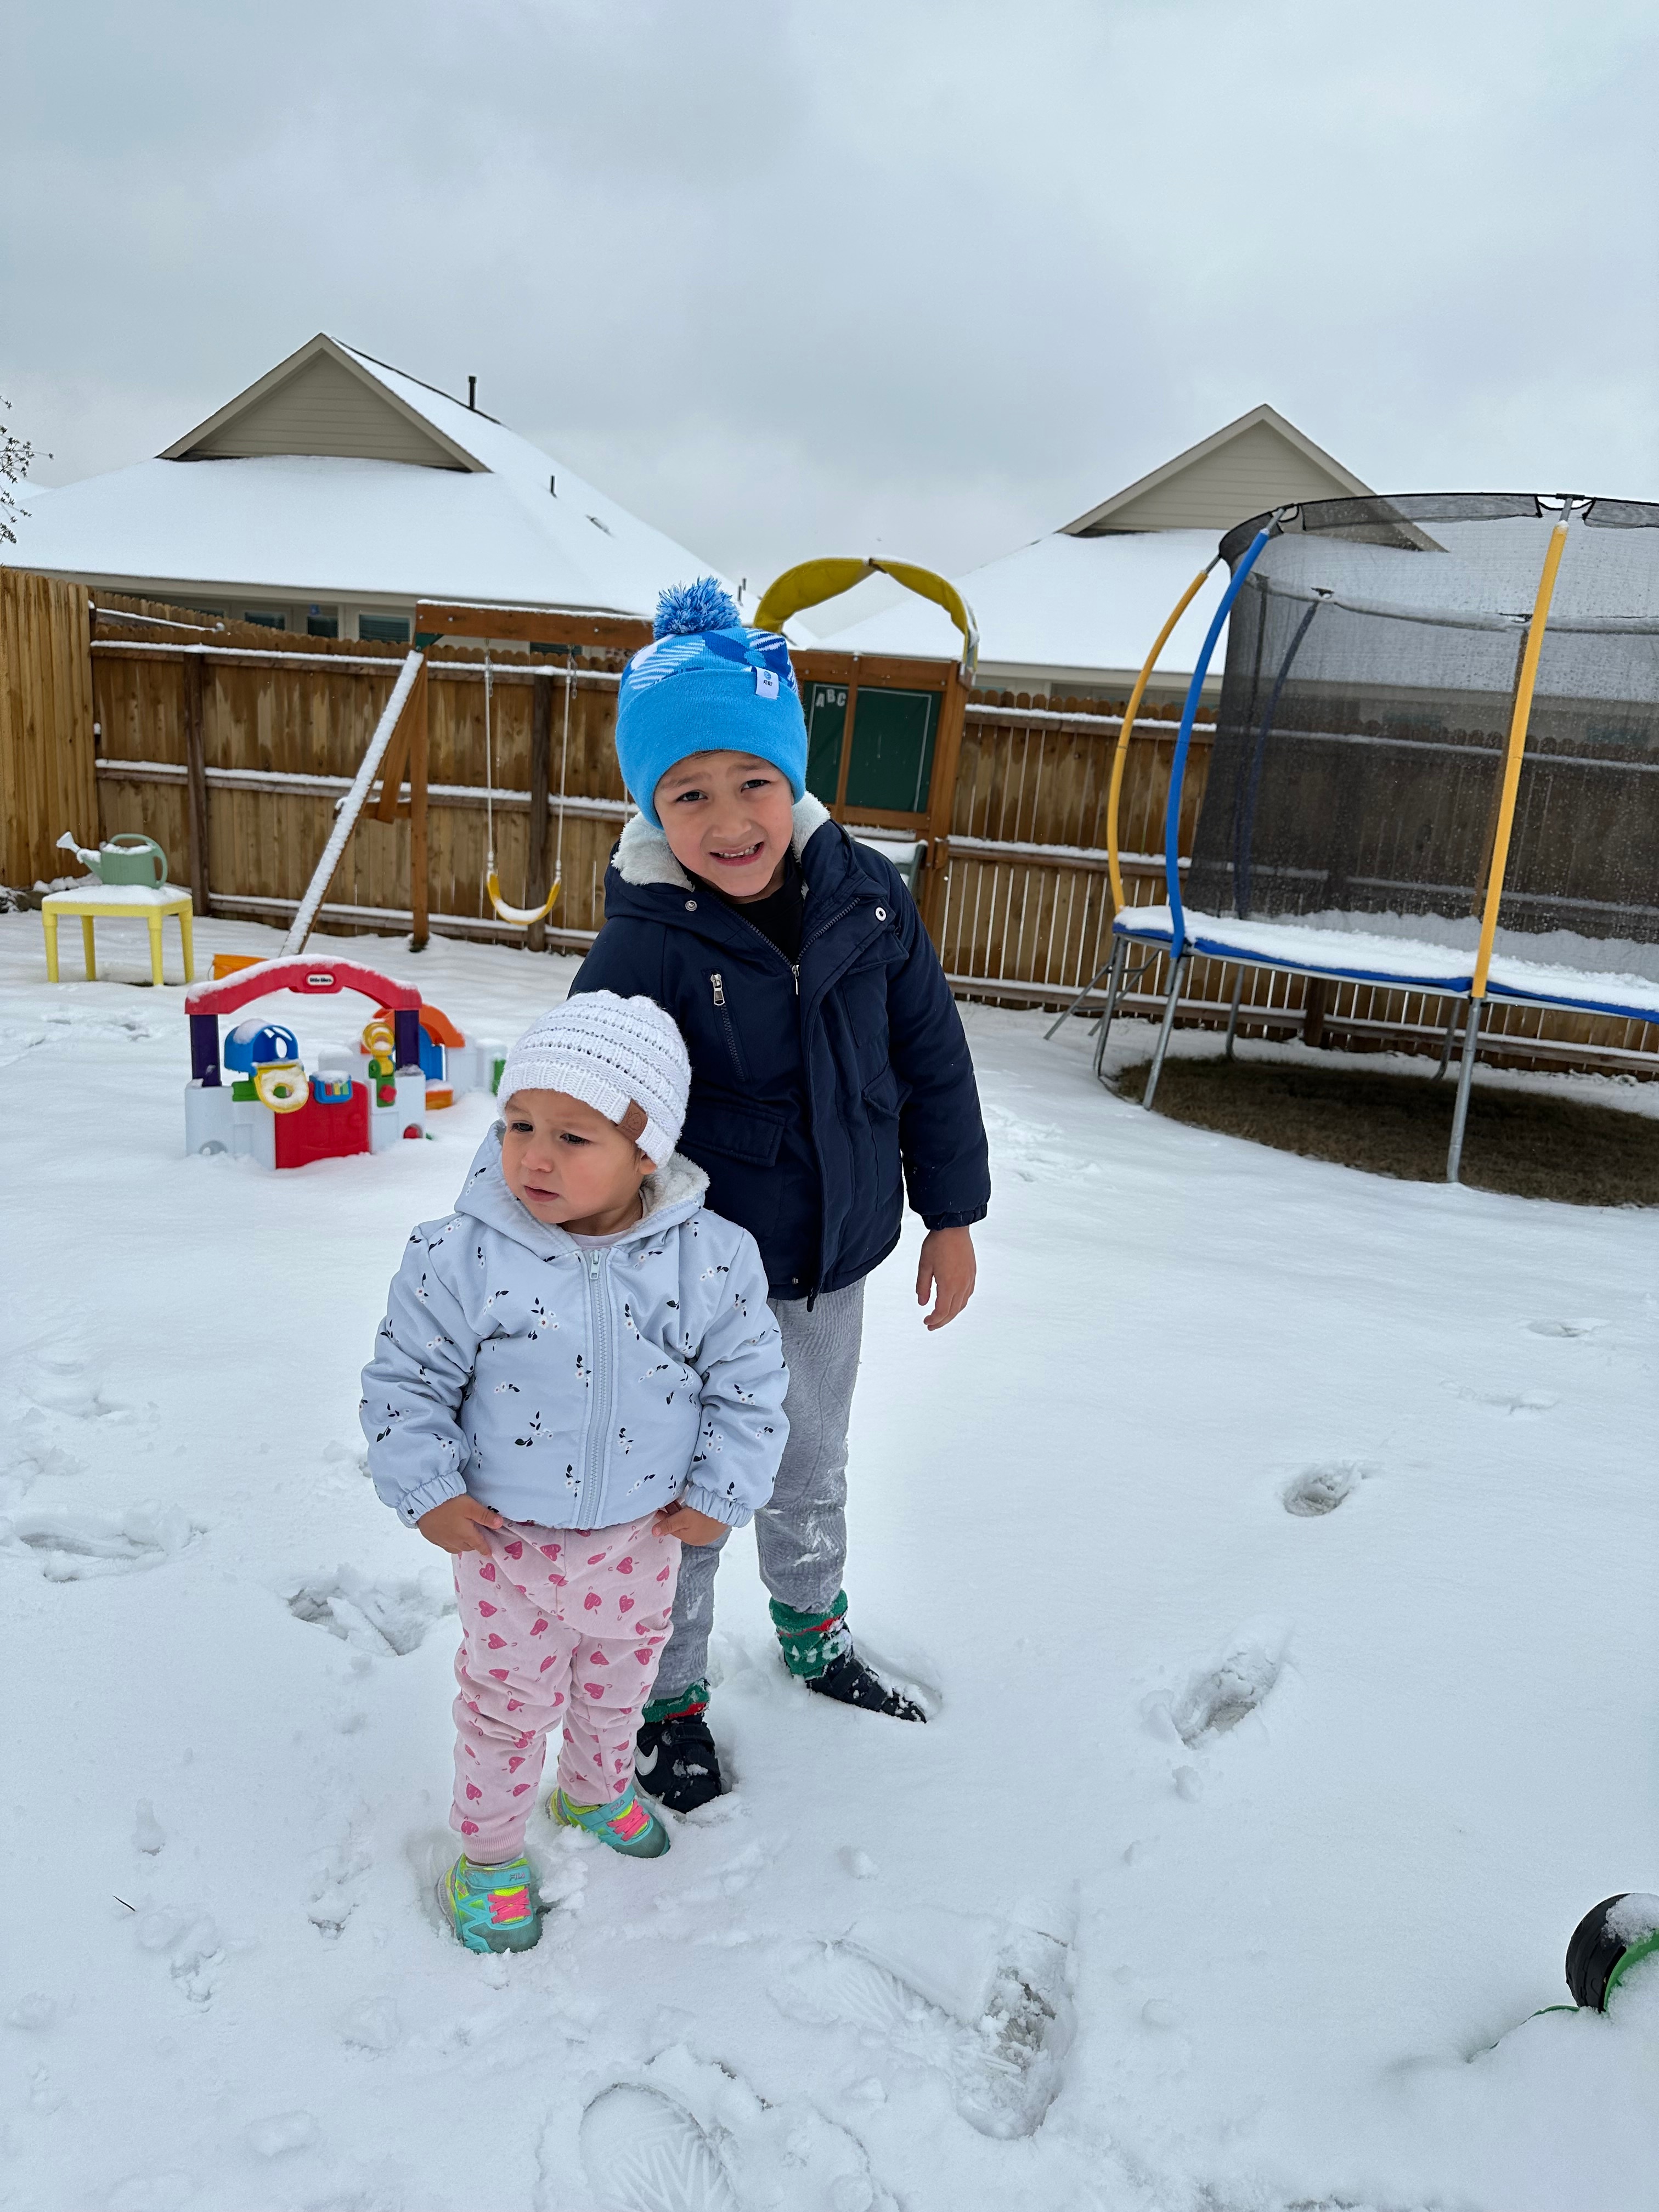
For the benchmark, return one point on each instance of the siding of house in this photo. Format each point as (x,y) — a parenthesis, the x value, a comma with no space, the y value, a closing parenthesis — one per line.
(323,409)
(1250,473)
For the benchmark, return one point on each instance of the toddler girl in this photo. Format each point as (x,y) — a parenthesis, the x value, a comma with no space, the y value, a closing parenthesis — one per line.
(577,1373)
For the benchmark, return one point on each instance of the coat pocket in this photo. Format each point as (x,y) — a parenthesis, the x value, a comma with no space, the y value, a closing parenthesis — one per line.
(883,1097)
(735,1128)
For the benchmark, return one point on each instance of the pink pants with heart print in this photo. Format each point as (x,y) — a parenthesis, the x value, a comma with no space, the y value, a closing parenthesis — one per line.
(557,1625)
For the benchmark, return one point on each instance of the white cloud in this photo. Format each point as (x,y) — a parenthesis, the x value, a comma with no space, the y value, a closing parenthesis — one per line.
(924,279)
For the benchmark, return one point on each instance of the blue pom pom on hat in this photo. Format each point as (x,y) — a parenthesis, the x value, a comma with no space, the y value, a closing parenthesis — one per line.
(707,682)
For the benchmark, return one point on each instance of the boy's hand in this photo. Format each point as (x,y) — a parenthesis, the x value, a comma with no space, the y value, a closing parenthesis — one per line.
(688,1524)
(947,1271)
(458,1525)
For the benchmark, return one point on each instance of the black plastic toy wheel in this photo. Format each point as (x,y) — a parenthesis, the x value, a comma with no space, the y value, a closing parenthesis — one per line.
(1593,1954)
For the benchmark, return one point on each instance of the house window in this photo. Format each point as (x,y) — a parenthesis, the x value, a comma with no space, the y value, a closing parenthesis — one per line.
(264,618)
(384,630)
(323,622)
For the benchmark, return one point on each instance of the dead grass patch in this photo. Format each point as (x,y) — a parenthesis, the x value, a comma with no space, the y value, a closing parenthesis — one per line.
(1522,1143)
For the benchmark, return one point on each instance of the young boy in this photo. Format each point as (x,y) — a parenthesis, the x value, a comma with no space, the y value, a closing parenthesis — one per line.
(576,1376)
(829,1070)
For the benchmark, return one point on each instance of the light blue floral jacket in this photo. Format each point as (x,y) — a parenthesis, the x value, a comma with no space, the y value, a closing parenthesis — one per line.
(577,1388)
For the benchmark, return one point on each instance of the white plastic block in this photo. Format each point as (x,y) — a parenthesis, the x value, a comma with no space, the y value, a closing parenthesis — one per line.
(209,1122)
(254,1132)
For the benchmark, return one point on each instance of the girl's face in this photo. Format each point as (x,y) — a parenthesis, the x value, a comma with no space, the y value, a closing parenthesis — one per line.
(728,818)
(565,1163)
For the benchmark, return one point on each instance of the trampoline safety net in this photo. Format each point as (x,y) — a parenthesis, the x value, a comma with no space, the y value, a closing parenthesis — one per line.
(1372,658)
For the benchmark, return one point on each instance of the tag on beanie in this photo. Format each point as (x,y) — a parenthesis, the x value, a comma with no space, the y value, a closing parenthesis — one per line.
(766,683)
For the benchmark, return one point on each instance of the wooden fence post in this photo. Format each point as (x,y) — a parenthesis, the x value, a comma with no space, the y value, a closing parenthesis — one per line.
(196,772)
(541,745)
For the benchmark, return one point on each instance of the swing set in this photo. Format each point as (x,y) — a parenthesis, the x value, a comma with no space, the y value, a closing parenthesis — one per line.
(883,733)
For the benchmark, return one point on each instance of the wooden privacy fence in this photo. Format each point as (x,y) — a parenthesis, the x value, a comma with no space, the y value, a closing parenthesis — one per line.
(232,746)
(46,782)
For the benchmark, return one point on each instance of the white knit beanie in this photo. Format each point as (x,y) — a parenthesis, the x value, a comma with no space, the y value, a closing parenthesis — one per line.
(611,1054)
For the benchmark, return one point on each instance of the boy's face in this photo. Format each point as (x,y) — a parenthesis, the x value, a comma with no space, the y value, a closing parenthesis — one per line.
(565,1163)
(728,818)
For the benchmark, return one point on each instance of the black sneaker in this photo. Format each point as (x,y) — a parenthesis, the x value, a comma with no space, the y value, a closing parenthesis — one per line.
(676,1762)
(849,1682)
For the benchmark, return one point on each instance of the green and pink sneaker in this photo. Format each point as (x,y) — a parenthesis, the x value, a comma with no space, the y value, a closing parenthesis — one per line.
(492,1908)
(624,1824)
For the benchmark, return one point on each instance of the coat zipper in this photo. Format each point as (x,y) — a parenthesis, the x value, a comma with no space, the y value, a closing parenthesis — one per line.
(717,982)
(601,1383)
(794,966)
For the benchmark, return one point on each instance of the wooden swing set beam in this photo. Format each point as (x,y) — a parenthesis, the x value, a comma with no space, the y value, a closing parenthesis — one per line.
(436,618)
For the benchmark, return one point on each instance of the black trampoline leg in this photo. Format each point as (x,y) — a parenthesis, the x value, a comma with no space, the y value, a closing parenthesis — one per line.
(1114,963)
(1465,1079)
(1109,1011)
(1232,1015)
(1176,980)
(1446,1042)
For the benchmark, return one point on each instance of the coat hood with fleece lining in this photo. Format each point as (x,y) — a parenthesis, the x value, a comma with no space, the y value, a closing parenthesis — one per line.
(672,1194)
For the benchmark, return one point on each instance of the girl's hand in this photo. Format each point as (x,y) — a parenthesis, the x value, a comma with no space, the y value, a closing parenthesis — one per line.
(948,1270)
(688,1524)
(458,1525)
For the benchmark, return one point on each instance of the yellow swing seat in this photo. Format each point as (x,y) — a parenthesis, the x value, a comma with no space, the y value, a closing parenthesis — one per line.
(518,917)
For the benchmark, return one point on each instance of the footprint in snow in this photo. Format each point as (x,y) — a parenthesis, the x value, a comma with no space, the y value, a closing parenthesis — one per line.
(1219,1696)
(1524,1403)
(377,1618)
(70,1547)
(1564,1327)
(982,2001)
(692,2137)
(190,1943)
(1319,1490)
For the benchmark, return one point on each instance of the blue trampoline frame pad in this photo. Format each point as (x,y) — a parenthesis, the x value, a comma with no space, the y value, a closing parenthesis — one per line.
(1399,964)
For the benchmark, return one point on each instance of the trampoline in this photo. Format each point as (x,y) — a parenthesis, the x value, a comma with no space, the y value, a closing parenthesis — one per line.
(1436,763)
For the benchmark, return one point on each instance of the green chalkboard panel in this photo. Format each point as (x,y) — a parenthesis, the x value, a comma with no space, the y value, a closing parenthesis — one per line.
(893,734)
(826,724)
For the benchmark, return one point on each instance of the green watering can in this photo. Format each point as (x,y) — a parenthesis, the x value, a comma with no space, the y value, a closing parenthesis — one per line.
(128,858)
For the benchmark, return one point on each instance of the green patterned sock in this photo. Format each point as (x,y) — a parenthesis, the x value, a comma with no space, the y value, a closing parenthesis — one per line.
(689,1701)
(811,1640)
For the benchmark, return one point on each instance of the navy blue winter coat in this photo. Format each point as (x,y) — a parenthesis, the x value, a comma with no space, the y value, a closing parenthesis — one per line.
(817,1096)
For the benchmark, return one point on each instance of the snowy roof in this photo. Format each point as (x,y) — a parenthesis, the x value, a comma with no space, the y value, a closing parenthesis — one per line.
(476,520)
(1064,603)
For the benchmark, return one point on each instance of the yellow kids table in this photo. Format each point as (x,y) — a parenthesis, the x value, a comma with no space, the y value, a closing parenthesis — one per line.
(151,902)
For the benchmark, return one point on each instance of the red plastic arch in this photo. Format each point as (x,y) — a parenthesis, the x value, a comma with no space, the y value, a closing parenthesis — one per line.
(311,976)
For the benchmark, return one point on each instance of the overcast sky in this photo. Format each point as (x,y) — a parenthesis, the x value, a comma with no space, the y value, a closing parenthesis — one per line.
(903,276)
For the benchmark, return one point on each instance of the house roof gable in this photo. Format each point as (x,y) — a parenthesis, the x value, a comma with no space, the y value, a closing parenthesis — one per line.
(1260,461)
(325,400)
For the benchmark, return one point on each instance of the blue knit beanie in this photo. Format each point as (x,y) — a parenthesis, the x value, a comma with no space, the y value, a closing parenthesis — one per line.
(707,682)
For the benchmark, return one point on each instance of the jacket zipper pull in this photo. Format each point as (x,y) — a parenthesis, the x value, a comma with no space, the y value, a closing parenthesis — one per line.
(794,969)
(720,990)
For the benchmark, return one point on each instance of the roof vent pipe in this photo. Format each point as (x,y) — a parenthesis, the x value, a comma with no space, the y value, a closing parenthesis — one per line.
(472,395)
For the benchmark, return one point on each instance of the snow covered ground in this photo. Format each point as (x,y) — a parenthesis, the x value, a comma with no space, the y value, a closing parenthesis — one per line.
(1278,1547)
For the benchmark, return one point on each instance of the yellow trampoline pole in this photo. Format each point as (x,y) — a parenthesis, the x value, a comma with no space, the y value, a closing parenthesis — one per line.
(1121,757)
(1519,719)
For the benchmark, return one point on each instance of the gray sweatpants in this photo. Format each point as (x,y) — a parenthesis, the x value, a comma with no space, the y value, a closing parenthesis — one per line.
(801,1535)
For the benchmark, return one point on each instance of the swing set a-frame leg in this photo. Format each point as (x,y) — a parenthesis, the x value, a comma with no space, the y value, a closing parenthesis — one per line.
(420,889)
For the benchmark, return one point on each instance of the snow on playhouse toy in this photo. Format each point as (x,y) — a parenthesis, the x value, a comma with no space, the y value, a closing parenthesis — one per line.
(355,1102)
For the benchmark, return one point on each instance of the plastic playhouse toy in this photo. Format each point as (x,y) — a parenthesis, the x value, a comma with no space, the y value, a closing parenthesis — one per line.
(127,883)
(359,1099)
